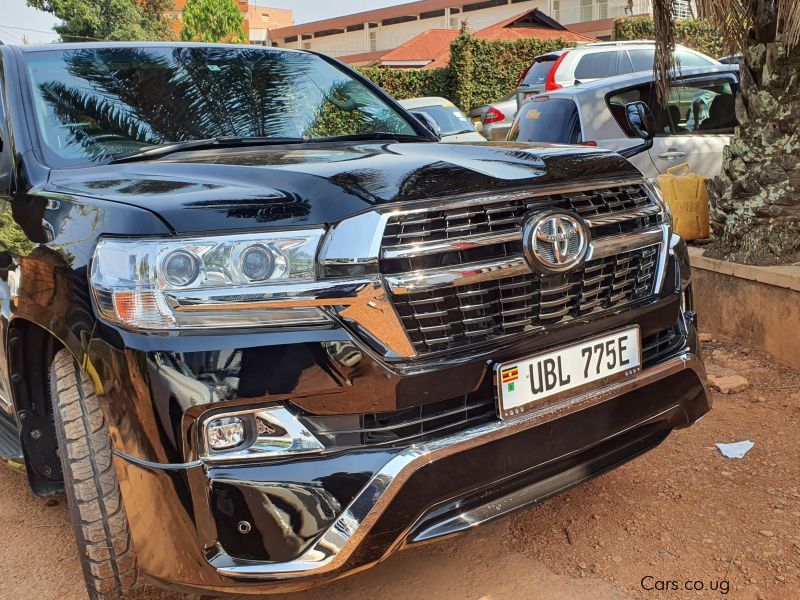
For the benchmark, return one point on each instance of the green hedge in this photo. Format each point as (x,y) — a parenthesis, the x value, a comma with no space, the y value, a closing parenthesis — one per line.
(697,34)
(487,71)
(410,83)
(480,71)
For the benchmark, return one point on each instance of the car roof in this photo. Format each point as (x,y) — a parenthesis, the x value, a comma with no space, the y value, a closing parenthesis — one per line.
(112,45)
(632,79)
(552,53)
(425,101)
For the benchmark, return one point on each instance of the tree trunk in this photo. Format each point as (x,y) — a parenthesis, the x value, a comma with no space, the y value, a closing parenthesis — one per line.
(755,203)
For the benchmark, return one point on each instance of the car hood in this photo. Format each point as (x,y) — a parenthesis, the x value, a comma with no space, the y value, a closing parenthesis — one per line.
(310,185)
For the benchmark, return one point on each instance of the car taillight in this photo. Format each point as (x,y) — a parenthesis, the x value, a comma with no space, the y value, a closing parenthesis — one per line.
(587,144)
(550,83)
(493,116)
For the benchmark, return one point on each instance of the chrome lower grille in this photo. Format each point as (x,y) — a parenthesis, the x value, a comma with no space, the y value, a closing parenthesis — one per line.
(403,426)
(663,343)
(452,317)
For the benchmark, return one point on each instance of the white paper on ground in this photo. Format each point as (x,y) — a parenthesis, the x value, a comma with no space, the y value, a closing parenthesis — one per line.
(735,450)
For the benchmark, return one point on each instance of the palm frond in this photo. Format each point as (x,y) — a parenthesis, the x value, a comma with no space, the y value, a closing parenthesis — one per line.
(789,21)
(665,45)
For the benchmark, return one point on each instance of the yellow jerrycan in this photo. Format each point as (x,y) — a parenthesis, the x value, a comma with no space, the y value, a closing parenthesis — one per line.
(686,194)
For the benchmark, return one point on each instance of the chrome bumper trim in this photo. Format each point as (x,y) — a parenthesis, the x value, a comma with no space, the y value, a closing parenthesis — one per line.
(336,545)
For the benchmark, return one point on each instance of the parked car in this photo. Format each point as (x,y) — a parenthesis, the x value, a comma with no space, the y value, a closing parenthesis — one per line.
(694,127)
(262,329)
(453,125)
(731,59)
(589,62)
(494,120)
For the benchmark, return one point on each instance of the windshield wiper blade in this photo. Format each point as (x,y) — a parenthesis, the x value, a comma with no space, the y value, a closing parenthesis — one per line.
(375,135)
(163,150)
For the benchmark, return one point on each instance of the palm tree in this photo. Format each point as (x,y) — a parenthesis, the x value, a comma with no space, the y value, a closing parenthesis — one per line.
(755,203)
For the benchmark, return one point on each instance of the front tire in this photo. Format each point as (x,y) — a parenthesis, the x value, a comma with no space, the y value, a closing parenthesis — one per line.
(98,515)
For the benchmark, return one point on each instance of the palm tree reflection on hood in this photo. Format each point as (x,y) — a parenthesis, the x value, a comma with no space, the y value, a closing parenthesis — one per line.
(130,97)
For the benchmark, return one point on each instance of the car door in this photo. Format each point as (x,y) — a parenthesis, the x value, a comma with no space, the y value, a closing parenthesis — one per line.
(701,117)
(615,133)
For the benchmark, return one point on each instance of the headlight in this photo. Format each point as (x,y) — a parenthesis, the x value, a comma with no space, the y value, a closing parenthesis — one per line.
(207,282)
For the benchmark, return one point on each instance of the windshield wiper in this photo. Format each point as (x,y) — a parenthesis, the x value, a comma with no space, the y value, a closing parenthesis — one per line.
(163,150)
(375,135)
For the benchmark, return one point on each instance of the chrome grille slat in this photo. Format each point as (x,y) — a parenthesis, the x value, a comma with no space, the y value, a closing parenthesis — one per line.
(427,301)
(431,315)
(431,328)
(559,302)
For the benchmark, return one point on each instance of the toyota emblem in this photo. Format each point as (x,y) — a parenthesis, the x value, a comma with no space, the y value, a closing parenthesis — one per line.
(555,241)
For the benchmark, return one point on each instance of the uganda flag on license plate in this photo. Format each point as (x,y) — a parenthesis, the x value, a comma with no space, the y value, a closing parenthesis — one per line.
(510,375)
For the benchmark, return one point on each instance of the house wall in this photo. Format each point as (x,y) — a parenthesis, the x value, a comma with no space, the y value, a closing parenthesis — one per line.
(392,36)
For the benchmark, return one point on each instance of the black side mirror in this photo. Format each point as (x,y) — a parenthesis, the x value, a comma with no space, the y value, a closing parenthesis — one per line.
(641,121)
(428,122)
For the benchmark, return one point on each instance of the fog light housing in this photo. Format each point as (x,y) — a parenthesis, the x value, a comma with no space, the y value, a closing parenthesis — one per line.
(225,433)
(255,433)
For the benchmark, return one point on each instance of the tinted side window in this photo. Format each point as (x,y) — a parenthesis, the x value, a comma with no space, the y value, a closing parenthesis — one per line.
(550,120)
(704,106)
(641,93)
(688,59)
(642,59)
(597,65)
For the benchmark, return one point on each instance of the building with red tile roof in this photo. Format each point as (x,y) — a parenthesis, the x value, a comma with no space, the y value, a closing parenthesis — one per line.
(431,49)
(358,37)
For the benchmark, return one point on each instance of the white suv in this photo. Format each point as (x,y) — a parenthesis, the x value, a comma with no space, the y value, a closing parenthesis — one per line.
(568,67)
(694,127)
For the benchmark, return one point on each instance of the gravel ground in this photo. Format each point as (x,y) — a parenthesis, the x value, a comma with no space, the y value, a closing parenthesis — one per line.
(681,513)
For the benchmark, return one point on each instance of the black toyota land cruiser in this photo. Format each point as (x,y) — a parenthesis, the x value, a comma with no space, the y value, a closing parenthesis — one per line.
(262,329)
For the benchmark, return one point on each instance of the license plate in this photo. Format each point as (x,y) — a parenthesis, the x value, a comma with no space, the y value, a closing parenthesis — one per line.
(542,380)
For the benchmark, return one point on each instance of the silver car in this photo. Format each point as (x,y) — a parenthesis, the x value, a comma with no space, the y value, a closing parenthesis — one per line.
(694,127)
(494,120)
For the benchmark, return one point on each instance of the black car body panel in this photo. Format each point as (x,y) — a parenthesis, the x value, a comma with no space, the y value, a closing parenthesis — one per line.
(250,526)
(296,185)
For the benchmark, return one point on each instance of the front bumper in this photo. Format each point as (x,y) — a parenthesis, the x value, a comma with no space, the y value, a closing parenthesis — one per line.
(396,496)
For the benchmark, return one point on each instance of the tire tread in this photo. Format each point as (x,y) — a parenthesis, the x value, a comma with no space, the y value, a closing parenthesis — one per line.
(90,479)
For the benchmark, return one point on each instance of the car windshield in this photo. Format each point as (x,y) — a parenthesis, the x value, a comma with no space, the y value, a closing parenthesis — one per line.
(449,118)
(93,103)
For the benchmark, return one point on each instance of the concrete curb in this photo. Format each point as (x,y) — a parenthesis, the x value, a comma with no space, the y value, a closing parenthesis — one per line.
(785,277)
(757,306)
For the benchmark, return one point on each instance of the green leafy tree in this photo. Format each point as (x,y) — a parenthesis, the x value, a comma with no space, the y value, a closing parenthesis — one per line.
(213,21)
(81,20)
(755,202)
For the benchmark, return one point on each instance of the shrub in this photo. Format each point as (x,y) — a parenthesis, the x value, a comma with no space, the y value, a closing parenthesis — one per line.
(697,34)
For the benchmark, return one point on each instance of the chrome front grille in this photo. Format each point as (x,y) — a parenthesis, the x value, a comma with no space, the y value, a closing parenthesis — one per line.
(457,276)
(505,216)
(456,316)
